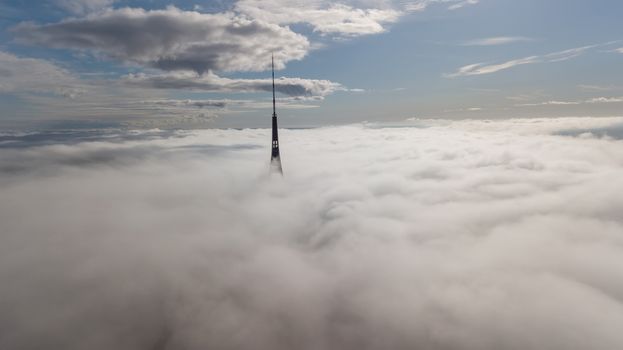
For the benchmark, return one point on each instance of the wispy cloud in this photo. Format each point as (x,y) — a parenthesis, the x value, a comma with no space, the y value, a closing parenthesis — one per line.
(598,87)
(498,40)
(594,100)
(548,103)
(422,5)
(559,56)
(462,4)
(482,68)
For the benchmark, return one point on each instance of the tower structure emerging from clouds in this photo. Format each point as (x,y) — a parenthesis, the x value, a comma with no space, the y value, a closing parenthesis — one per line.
(275,158)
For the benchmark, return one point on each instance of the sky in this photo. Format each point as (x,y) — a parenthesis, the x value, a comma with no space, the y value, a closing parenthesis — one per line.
(197,64)
(439,235)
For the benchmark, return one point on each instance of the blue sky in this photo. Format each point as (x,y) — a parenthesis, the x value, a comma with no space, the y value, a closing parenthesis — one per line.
(204,63)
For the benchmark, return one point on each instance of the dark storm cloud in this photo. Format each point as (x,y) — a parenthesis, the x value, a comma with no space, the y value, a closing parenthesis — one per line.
(173,39)
(463,235)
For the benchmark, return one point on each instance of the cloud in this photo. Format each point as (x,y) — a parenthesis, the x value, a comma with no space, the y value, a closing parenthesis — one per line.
(598,87)
(188,103)
(325,17)
(462,4)
(549,103)
(421,5)
(498,40)
(173,39)
(465,239)
(212,83)
(482,68)
(31,75)
(593,100)
(81,7)
(560,56)
(605,100)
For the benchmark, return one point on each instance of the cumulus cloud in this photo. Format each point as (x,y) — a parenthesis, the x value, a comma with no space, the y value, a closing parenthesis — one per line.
(173,39)
(210,82)
(325,17)
(560,56)
(31,75)
(445,235)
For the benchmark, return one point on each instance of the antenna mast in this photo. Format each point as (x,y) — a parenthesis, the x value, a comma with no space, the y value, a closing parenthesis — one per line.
(275,158)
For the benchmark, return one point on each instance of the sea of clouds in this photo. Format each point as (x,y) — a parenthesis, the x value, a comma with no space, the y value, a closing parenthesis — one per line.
(429,235)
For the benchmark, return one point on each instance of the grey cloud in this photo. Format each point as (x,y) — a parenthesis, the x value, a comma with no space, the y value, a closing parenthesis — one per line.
(173,39)
(188,103)
(212,83)
(449,235)
(21,75)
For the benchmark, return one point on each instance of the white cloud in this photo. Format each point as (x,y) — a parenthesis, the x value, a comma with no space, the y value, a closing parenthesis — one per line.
(593,100)
(345,18)
(326,17)
(598,87)
(605,100)
(173,39)
(462,4)
(450,235)
(482,68)
(560,56)
(498,40)
(549,103)
(421,5)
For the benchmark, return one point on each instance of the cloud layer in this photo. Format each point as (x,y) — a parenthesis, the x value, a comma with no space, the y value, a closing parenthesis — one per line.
(213,83)
(173,39)
(442,235)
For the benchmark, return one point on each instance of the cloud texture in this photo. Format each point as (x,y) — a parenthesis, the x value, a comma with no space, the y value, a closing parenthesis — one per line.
(213,83)
(18,74)
(442,235)
(173,39)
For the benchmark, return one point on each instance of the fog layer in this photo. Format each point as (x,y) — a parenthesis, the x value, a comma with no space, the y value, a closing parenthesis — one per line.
(436,235)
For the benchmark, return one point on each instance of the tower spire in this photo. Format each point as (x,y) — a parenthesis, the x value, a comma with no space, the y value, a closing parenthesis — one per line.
(275,159)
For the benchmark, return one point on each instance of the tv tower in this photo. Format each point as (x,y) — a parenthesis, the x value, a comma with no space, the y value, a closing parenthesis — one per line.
(275,159)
